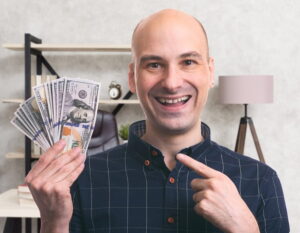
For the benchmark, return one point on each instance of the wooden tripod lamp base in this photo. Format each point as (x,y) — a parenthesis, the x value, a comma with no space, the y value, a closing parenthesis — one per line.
(241,136)
(246,89)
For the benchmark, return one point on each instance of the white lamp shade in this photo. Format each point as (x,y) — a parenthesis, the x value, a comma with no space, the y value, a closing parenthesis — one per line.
(246,89)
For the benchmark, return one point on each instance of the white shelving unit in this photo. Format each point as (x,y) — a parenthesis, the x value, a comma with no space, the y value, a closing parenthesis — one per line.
(70,47)
(19,155)
(9,206)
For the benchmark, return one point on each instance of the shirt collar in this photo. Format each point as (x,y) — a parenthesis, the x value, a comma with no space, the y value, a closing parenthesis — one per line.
(144,151)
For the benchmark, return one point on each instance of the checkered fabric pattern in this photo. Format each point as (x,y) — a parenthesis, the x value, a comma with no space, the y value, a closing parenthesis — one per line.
(128,189)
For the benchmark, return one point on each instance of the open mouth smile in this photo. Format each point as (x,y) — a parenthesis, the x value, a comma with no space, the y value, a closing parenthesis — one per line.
(173,101)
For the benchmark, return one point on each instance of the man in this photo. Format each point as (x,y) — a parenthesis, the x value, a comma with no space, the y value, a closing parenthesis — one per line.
(170,177)
(78,112)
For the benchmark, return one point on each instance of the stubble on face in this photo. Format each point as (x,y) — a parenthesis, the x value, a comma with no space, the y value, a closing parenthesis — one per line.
(168,35)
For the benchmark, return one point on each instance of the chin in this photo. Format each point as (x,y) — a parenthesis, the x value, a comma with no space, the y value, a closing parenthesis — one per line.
(175,126)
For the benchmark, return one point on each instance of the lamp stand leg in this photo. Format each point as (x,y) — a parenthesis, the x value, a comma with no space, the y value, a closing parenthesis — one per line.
(256,141)
(240,140)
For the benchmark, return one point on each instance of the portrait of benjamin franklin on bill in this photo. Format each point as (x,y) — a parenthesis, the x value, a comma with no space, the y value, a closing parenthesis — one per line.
(79,112)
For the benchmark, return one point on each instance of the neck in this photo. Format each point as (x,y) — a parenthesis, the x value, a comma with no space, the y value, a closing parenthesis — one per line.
(171,143)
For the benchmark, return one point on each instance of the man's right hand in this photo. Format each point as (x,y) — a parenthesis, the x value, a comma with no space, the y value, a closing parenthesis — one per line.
(49,182)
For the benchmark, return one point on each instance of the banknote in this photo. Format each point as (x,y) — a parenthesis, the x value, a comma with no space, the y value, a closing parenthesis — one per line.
(32,111)
(58,93)
(25,117)
(79,108)
(42,102)
(48,100)
(64,108)
(19,124)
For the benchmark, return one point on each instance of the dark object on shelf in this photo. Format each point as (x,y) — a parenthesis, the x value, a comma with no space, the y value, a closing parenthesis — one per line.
(105,135)
(115,90)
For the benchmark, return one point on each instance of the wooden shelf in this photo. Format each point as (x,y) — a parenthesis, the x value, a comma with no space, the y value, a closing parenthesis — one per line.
(19,155)
(102,101)
(70,47)
(12,101)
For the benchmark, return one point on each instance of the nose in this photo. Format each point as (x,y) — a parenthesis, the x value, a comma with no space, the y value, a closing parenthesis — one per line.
(172,80)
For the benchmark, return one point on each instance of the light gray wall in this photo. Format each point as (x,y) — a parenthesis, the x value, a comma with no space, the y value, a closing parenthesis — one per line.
(246,37)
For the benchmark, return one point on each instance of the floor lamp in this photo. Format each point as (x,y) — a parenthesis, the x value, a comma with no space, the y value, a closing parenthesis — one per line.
(246,89)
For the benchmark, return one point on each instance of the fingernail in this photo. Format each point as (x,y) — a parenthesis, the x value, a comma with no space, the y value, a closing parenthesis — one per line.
(178,156)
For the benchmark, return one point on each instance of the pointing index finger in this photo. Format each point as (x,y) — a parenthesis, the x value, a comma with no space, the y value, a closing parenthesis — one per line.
(200,168)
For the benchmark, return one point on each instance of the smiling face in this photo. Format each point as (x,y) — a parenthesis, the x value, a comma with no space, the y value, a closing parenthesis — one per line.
(171,73)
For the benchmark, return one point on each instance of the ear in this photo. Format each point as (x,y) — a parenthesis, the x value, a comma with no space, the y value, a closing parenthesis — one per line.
(211,65)
(131,79)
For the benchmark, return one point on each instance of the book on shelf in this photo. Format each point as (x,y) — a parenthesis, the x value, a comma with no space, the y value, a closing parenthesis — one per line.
(25,197)
(41,79)
(23,188)
(36,150)
(27,202)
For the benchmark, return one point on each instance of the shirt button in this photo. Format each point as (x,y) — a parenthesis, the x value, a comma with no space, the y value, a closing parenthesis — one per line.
(154,153)
(172,180)
(147,163)
(171,220)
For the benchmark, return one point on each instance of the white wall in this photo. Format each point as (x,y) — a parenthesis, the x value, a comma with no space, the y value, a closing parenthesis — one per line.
(246,37)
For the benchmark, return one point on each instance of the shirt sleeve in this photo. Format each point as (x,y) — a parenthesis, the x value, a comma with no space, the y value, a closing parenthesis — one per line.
(272,214)
(76,225)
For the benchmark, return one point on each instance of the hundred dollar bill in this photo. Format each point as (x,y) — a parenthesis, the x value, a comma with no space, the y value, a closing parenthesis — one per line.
(79,108)
(31,110)
(19,124)
(26,118)
(54,108)
(48,94)
(31,130)
(41,99)
(58,95)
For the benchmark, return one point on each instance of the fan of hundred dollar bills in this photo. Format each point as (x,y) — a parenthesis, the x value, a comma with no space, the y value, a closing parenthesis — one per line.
(65,108)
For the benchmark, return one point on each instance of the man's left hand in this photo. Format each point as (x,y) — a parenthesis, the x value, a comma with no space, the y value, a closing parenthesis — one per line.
(218,200)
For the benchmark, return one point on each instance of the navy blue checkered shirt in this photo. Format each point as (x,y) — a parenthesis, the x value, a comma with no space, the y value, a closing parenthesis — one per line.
(130,189)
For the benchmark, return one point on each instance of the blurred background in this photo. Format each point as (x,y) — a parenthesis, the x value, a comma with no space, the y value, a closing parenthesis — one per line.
(245,38)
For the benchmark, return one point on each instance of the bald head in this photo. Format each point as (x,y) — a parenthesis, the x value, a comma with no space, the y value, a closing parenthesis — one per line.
(166,20)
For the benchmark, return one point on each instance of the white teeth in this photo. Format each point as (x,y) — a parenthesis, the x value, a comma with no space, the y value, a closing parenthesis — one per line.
(172,101)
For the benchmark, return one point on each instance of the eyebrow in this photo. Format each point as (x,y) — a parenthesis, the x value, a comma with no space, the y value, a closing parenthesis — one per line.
(150,57)
(158,58)
(191,54)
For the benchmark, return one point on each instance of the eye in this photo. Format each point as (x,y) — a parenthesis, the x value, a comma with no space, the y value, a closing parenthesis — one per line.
(189,62)
(153,65)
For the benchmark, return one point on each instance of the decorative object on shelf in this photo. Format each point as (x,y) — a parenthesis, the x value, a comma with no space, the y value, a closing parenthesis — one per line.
(115,91)
(41,79)
(246,89)
(124,132)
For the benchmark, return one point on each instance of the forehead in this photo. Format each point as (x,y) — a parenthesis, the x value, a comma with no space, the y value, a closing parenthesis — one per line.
(169,36)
